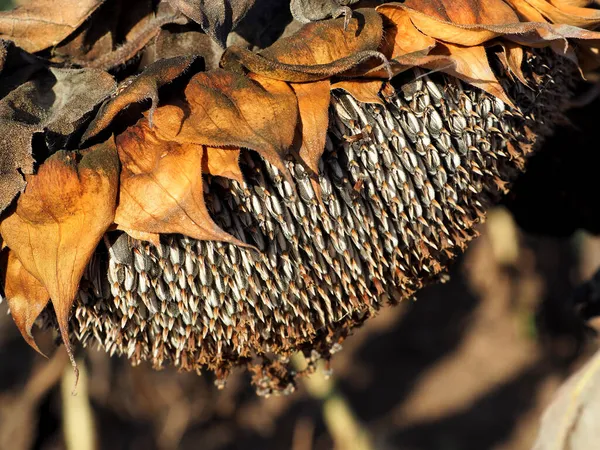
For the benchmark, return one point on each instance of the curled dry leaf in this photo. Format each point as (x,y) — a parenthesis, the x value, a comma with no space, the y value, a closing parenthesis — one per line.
(161,187)
(449,36)
(40,24)
(26,297)
(58,221)
(401,37)
(559,11)
(313,104)
(138,35)
(226,109)
(305,11)
(512,57)
(216,17)
(471,65)
(317,51)
(56,100)
(116,32)
(144,86)
(16,66)
(464,22)
(434,18)
(182,41)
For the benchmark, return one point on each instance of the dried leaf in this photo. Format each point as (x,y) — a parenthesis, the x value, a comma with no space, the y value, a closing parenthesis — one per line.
(313,104)
(464,12)
(216,17)
(526,12)
(365,91)
(60,218)
(464,22)
(161,186)
(56,100)
(305,11)
(182,41)
(222,162)
(317,51)
(16,67)
(40,24)
(482,22)
(26,297)
(225,109)
(144,86)
(470,64)
(401,37)
(512,56)
(116,33)
(571,420)
(560,12)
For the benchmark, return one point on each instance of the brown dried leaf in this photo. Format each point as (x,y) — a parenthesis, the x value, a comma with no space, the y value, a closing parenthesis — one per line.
(60,218)
(401,37)
(161,186)
(40,24)
(526,12)
(317,51)
(305,11)
(26,297)
(560,12)
(365,91)
(444,21)
(216,17)
(464,12)
(226,109)
(470,64)
(142,87)
(512,56)
(182,41)
(313,104)
(56,100)
(116,33)
(222,162)
(464,22)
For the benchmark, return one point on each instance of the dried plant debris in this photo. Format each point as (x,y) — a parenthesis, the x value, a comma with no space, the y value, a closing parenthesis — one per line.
(217,17)
(137,89)
(272,204)
(52,103)
(40,24)
(306,11)
(309,54)
(57,223)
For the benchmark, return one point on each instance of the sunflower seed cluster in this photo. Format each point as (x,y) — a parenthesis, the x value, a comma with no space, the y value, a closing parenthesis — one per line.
(399,191)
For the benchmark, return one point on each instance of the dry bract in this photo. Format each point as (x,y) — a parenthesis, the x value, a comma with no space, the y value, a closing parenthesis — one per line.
(161,186)
(40,24)
(313,104)
(58,221)
(26,296)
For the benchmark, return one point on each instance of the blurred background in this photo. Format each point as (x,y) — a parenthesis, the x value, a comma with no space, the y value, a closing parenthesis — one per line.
(468,364)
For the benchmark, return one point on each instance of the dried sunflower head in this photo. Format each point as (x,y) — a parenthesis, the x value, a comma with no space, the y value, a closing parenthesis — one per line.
(237,215)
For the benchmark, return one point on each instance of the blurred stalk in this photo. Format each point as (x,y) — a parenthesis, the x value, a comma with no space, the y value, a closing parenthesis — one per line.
(344,427)
(78,419)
